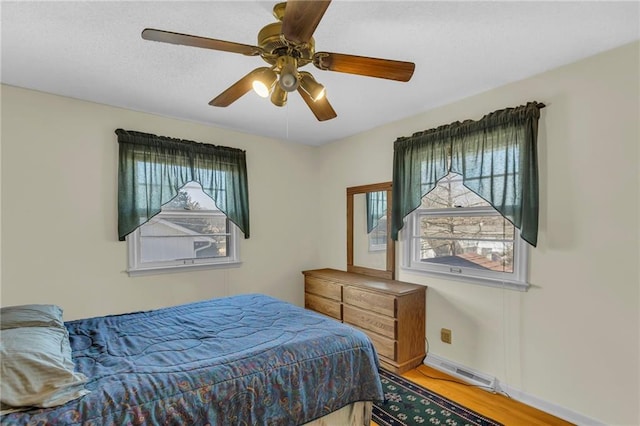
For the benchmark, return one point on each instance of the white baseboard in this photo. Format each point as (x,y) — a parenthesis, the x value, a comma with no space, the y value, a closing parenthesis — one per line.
(547,407)
(437,362)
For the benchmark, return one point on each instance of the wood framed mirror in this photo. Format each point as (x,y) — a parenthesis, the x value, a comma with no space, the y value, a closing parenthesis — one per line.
(370,249)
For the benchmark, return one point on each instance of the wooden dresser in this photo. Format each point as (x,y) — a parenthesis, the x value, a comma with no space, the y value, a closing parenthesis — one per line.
(391,313)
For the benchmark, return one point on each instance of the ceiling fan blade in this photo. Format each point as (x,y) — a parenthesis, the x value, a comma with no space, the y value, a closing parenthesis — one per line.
(235,91)
(301,17)
(363,65)
(321,108)
(195,41)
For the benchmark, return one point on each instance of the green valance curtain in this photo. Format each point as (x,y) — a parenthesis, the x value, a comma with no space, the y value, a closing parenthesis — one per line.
(153,168)
(496,156)
(376,208)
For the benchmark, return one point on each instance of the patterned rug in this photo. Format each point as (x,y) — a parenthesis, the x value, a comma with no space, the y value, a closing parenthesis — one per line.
(409,404)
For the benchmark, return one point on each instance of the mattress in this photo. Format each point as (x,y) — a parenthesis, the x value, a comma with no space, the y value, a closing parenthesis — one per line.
(248,359)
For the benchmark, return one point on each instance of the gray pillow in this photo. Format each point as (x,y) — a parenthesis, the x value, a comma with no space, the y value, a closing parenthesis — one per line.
(37,369)
(31,316)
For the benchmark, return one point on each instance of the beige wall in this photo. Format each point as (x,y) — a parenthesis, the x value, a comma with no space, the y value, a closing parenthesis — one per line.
(573,338)
(59,211)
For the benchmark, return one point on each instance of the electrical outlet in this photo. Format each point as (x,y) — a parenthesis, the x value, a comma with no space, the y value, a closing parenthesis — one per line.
(445,335)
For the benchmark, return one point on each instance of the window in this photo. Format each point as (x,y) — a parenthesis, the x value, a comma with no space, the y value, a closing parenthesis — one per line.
(457,234)
(189,232)
(171,222)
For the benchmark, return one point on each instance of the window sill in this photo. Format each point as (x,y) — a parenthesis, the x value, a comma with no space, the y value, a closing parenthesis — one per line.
(157,270)
(488,282)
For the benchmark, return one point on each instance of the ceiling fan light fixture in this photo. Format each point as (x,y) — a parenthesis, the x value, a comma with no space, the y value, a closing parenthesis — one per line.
(287,45)
(264,81)
(289,79)
(309,84)
(279,96)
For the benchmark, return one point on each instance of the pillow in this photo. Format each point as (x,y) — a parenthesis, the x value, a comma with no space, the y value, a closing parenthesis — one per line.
(31,316)
(37,369)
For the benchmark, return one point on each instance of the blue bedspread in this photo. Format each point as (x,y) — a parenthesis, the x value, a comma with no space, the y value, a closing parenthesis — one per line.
(241,360)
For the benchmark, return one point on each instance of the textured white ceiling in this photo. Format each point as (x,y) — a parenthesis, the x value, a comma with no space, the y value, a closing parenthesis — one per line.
(93,51)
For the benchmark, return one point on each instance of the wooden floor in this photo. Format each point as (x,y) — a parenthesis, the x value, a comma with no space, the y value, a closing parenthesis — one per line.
(497,407)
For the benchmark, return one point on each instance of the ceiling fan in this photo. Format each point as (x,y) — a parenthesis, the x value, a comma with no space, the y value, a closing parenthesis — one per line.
(286,46)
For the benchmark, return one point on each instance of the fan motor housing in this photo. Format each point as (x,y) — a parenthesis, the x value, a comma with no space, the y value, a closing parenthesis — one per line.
(274,45)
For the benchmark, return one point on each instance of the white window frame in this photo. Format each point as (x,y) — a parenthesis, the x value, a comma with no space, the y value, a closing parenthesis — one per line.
(136,267)
(517,280)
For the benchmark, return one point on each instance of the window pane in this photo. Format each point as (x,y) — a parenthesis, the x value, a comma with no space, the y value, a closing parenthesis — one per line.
(479,242)
(449,193)
(470,227)
(176,248)
(170,226)
(213,247)
(167,237)
(190,197)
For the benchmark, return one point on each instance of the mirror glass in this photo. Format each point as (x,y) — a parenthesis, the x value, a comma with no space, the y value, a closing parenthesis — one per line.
(370,230)
(370,250)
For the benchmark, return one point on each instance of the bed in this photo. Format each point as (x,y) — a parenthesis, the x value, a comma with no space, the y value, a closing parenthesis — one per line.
(240,360)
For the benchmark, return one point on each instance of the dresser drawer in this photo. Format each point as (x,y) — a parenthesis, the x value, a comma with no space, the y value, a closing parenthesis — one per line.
(324,288)
(324,306)
(384,347)
(377,302)
(379,324)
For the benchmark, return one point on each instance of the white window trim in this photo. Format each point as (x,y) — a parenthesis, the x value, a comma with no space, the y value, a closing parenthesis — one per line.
(135,268)
(468,275)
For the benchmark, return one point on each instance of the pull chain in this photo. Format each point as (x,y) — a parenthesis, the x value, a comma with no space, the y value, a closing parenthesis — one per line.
(287,106)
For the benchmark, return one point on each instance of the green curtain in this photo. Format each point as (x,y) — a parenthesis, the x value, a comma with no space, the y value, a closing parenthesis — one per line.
(153,168)
(376,208)
(496,156)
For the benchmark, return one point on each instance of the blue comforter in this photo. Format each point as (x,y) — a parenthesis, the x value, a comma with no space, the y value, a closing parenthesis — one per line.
(241,360)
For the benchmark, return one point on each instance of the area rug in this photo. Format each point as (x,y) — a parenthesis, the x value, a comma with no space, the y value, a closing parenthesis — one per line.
(408,404)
